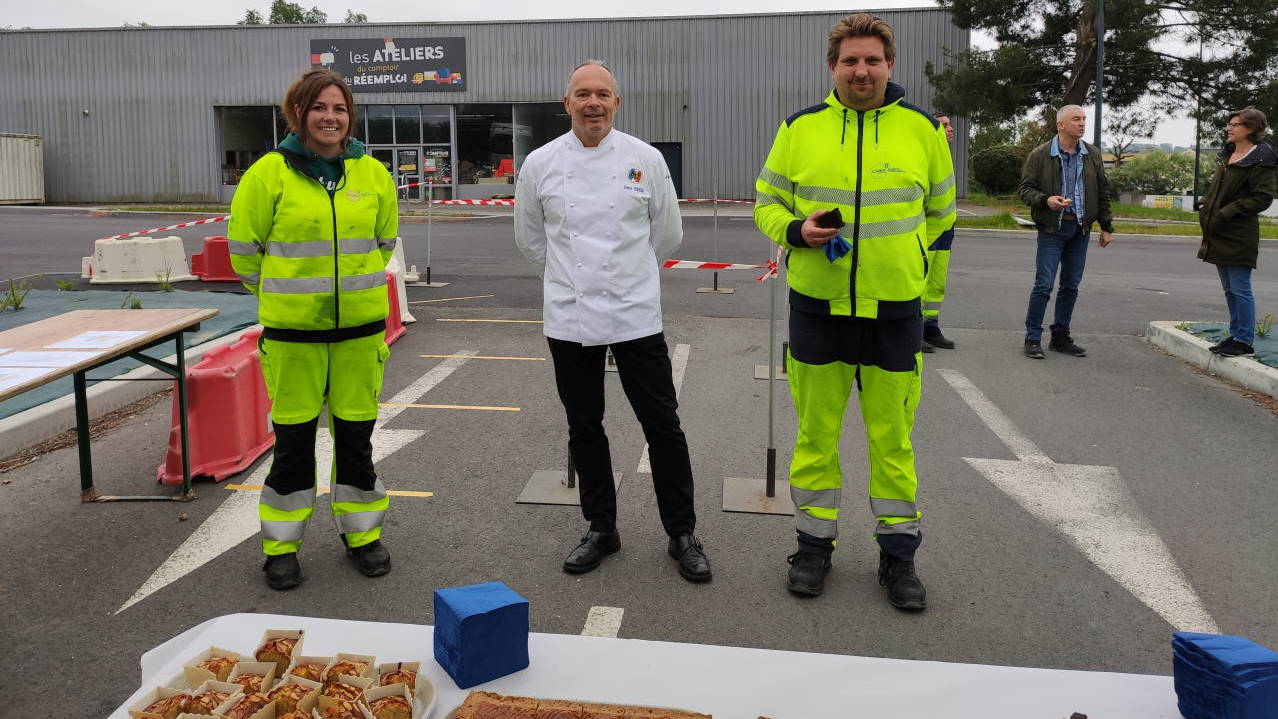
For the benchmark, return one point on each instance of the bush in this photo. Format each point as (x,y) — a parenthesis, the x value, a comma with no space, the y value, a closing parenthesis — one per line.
(1154,173)
(997,168)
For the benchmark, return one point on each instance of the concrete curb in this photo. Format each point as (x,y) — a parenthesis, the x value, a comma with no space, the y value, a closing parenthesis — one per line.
(42,422)
(1245,371)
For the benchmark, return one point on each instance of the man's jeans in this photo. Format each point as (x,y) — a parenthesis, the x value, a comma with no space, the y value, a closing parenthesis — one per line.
(1065,249)
(1236,281)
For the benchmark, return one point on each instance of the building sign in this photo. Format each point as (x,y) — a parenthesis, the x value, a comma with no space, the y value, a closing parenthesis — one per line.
(396,64)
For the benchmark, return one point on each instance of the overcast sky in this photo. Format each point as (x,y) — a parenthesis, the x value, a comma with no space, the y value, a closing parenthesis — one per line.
(97,13)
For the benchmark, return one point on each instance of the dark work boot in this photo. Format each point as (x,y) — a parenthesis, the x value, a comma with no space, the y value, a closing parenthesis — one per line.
(1235,348)
(585,557)
(1063,343)
(694,566)
(928,348)
(372,559)
(1034,349)
(904,589)
(932,335)
(282,571)
(807,573)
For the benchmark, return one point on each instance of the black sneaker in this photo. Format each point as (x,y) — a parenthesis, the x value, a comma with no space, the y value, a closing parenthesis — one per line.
(932,335)
(1064,344)
(928,348)
(807,573)
(372,559)
(904,589)
(282,571)
(1235,348)
(1216,347)
(1034,349)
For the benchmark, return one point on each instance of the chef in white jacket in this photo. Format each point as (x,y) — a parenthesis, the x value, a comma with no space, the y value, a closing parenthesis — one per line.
(596,212)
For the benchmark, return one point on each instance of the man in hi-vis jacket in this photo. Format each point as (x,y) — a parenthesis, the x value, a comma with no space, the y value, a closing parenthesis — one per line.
(856,189)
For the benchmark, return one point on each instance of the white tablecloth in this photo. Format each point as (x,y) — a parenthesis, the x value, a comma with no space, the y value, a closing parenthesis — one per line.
(728,682)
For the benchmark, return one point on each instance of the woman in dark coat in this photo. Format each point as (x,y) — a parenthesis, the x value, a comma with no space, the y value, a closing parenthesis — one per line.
(1244,185)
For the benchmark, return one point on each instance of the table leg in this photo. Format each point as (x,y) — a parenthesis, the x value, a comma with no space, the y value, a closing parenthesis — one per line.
(88,492)
(182,420)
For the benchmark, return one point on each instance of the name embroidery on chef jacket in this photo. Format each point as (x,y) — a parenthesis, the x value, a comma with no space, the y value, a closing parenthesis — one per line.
(633,180)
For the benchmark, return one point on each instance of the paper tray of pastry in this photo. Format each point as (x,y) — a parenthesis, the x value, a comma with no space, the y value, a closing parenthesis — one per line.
(481,705)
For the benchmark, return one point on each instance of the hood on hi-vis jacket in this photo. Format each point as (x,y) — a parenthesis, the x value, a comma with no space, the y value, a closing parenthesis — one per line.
(328,171)
(889,172)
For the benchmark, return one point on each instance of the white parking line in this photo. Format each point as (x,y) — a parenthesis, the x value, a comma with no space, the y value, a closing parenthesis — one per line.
(678,365)
(603,622)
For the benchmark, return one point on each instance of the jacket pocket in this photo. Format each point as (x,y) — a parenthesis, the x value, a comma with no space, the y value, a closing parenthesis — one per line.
(922,252)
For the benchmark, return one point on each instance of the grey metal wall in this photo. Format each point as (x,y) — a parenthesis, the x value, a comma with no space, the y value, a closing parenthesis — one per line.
(127,113)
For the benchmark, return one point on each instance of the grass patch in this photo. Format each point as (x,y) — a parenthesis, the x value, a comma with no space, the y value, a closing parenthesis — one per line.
(1001,221)
(211,209)
(1123,209)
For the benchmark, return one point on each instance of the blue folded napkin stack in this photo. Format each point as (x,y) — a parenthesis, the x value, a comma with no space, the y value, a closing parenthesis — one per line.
(1218,676)
(481,632)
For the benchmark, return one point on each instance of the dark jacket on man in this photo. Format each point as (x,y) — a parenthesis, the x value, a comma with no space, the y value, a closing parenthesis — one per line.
(1041,178)
(1230,213)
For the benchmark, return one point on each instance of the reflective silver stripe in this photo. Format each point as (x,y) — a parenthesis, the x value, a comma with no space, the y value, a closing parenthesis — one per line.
(387,244)
(943,186)
(887,228)
(347,493)
(298,285)
(826,195)
(893,507)
(359,521)
(283,531)
(356,247)
(910,528)
(763,198)
(952,207)
(928,307)
(891,196)
(249,279)
(363,282)
(298,250)
(821,528)
(237,247)
(827,498)
(291,502)
(777,180)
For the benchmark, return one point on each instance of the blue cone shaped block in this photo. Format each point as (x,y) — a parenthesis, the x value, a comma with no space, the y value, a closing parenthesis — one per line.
(481,632)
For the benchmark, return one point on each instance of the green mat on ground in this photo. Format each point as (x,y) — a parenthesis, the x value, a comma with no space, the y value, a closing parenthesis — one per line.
(235,312)
(1266,347)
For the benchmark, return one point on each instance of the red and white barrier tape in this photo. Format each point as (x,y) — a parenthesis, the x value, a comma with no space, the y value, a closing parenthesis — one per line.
(179,226)
(771,266)
(721,202)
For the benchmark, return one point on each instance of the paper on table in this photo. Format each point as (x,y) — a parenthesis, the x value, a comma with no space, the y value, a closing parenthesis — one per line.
(4,349)
(14,376)
(44,359)
(96,339)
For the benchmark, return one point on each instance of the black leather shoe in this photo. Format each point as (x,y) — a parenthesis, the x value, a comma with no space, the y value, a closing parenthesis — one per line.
(593,548)
(933,336)
(372,559)
(693,564)
(807,573)
(904,589)
(1065,345)
(282,571)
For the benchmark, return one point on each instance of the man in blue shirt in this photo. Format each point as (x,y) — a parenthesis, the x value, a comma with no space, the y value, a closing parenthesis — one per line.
(1063,182)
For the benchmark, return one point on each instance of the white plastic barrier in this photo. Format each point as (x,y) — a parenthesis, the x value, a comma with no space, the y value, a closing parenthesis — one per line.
(135,260)
(396,266)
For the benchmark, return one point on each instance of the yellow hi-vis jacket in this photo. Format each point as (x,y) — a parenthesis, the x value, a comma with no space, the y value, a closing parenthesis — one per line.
(889,173)
(316,258)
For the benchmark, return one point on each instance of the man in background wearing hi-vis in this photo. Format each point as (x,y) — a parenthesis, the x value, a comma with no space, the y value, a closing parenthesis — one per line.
(596,212)
(856,280)
(938,270)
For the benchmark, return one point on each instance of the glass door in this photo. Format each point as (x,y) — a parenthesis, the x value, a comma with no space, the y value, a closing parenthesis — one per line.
(408,171)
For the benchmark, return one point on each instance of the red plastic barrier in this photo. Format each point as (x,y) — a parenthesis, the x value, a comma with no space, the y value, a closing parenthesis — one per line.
(228,413)
(394,323)
(214,264)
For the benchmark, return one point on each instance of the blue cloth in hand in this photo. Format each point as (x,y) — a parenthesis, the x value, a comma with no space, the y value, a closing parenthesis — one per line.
(836,248)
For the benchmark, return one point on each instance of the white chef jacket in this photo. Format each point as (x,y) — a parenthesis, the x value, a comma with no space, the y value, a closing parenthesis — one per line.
(598,222)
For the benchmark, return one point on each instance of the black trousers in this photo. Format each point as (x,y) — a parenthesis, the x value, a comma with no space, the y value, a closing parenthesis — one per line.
(644,367)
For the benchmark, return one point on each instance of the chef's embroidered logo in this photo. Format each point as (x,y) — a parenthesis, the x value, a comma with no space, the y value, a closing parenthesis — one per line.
(636,175)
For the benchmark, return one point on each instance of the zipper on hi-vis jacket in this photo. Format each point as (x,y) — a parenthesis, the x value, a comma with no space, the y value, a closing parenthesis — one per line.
(337,278)
(856,210)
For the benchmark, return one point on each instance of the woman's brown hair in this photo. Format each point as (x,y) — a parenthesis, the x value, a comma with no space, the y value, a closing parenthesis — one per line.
(302,93)
(1254,120)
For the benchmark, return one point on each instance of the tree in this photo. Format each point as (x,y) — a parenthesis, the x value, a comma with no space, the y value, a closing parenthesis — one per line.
(355,18)
(1154,173)
(291,13)
(251,17)
(997,169)
(1127,126)
(1047,56)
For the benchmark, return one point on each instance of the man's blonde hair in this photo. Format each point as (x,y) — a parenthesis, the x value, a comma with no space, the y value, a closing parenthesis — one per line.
(861,25)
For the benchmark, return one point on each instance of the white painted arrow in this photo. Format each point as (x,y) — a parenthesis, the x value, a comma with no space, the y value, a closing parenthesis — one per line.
(235,520)
(1093,508)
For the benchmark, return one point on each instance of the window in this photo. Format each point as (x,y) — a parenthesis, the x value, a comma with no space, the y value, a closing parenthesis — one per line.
(244,135)
(408,124)
(381,125)
(485,138)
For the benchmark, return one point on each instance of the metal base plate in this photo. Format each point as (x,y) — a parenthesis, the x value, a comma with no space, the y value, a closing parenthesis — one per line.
(716,291)
(748,495)
(549,486)
(427,284)
(761,372)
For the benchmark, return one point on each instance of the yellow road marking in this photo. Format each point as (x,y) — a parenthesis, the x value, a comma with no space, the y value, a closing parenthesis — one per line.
(449,299)
(522,359)
(393,492)
(450,406)
(515,322)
